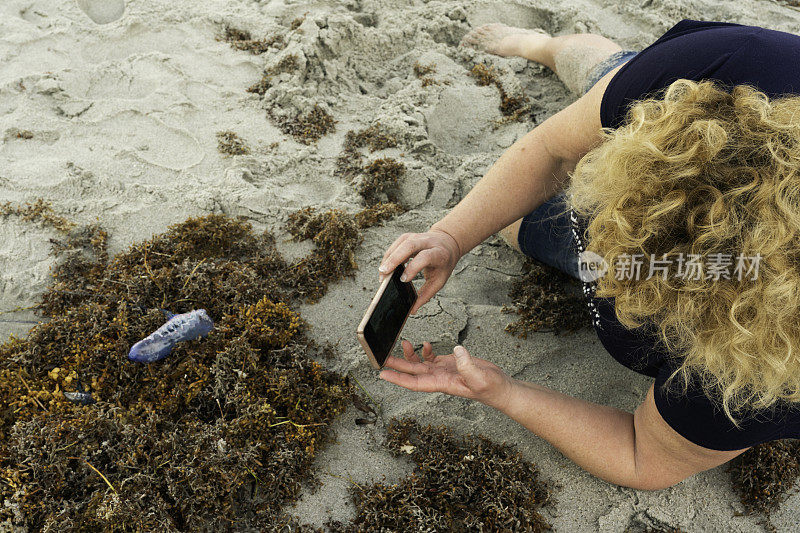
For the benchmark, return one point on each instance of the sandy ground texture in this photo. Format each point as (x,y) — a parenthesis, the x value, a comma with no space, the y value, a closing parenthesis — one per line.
(123,121)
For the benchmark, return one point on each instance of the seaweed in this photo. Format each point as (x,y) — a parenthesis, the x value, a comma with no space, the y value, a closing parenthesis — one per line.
(336,237)
(764,475)
(423,73)
(375,137)
(423,70)
(484,75)
(459,484)
(545,297)
(261,86)
(350,162)
(229,143)
(287,64)
(297,22)
(307,128)
(512,107)
(40,212)
(380,181)
(243,40)
(220,435)
(377,214)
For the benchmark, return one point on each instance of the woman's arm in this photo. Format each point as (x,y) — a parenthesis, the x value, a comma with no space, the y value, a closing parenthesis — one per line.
(527,174)
(638,450)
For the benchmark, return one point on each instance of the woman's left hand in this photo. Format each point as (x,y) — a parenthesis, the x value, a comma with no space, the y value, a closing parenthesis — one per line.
(458,374)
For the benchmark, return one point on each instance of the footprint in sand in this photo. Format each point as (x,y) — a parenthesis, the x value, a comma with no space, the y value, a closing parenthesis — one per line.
(103,11)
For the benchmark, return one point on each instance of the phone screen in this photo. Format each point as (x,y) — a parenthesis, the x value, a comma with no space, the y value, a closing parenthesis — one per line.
(383,327)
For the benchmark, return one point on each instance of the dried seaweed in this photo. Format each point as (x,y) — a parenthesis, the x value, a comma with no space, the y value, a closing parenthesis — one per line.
(220,434)
(296,23)
(39,212)
(546,298)
(375,137)
(764,475)
(287,64)
(309,127)
(459,484)
(381,181)
(336,236)
(350,162)
(423,73)
(243,40)
(512,107)
(421,70)
(229,143)
(377,214)
(484,75)
(261,86)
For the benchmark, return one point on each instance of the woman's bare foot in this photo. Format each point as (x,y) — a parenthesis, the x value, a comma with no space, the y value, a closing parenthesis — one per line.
(505,41)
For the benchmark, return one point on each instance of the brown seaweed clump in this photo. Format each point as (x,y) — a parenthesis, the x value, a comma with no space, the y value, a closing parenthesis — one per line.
(377,214)
(546,298)
(459,484)
(381,180)
(297,22)
(764,475)
(423,72)
(308,128)
(350,162)
(484,75)
(512,107)
(39,212)
(229,143)
(287,64)
(243,40)
(336,237)
(219,435)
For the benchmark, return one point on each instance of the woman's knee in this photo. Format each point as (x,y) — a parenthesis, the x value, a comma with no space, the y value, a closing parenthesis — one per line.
(574,57)
(510,234)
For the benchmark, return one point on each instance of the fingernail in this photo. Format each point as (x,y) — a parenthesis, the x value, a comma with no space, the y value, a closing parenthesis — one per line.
(403,278)
(382,268)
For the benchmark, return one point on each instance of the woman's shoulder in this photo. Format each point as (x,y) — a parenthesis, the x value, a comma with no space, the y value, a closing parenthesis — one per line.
(729,53)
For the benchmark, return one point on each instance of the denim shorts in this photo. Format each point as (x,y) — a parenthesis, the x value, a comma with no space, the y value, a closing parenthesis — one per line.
(546,233)
(607,65)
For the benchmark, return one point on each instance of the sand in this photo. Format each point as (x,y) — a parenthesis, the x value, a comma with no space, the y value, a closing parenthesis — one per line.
(124,118)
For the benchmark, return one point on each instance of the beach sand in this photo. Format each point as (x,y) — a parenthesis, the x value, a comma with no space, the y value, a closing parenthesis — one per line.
(119,122)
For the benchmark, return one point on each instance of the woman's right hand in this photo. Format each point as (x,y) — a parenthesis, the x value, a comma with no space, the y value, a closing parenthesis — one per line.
(434,252)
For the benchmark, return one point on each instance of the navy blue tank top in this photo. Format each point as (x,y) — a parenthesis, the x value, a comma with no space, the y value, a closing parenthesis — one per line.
(732,54)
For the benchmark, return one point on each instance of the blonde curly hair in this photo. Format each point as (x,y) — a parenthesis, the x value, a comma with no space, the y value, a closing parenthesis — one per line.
(703,169)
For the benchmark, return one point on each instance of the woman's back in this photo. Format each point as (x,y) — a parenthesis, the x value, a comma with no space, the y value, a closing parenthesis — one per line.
(732,55)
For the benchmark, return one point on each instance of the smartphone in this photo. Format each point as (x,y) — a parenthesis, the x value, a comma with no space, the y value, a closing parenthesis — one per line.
(385,317)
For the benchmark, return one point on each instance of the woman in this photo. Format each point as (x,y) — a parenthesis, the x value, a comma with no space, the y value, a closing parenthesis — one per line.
(684,153)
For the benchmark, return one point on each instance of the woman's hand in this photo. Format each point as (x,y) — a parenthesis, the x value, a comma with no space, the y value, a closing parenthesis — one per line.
(458,374)
(435,254)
